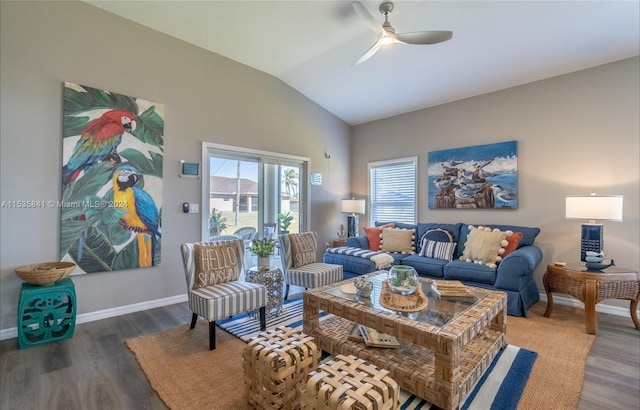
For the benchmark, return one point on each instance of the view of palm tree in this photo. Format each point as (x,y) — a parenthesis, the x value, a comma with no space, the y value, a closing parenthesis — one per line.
(290,181)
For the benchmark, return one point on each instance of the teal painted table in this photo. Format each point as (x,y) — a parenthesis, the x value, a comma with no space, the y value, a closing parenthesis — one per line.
(46,313)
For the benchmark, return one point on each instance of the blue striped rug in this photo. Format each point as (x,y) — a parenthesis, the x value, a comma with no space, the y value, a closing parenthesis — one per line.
(499,388)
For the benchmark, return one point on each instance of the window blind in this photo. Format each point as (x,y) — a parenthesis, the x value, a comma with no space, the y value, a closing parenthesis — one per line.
(392,188)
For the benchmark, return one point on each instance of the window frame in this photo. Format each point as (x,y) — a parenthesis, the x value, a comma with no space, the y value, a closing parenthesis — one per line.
(262,157)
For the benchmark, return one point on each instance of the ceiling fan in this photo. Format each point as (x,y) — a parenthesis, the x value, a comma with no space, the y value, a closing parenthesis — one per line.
(387,34)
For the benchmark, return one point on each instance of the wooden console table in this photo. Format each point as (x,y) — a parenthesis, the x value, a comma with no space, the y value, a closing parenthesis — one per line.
(592,287)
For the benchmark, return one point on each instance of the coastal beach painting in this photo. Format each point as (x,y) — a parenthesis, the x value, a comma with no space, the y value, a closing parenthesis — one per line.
(112,155)
(476,177)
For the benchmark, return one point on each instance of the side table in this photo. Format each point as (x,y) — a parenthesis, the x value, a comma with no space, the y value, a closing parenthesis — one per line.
(592,287)
(272,279)
(46,313)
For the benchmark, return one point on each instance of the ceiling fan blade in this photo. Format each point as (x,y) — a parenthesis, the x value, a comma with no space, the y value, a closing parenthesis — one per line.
(424,37)
(368,18)
(370,52)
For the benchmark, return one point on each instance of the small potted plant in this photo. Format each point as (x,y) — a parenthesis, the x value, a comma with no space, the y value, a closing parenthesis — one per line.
(403,279)
(263,248)
(285,221)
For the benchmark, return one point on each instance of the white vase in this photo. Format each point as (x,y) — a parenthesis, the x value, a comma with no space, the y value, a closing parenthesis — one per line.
(264,262)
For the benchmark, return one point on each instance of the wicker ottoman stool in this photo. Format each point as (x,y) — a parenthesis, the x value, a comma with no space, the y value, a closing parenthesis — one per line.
(276,363)
(350,383)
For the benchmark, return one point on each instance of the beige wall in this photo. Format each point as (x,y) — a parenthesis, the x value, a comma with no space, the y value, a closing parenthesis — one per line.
(207,98)
(576,134)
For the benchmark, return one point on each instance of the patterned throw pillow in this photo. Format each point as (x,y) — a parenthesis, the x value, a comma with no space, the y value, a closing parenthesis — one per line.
(373,235)
(485,246)
(437,234)
(438,250)
(216,264)
(398,240)
(303,248)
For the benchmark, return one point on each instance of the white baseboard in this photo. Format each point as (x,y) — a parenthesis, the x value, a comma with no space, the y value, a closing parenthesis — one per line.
(137,307)
(107,313)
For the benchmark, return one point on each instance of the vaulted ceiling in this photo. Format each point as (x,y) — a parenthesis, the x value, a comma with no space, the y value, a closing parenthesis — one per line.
(312,45)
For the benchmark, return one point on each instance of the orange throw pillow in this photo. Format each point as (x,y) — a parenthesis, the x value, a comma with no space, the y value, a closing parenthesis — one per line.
(373,235)
(514,241)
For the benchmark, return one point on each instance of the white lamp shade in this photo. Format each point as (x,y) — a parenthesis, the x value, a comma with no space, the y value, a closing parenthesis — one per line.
(353,206)
(594,207)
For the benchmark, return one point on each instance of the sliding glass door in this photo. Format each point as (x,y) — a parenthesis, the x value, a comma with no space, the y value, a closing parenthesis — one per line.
(252,193)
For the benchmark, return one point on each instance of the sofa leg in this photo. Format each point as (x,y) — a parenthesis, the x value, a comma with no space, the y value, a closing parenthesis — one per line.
(286,292)
(212,335)
(263,319)
(194,319)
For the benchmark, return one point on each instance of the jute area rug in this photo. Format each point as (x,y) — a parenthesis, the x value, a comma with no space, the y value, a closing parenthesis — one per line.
(180,366)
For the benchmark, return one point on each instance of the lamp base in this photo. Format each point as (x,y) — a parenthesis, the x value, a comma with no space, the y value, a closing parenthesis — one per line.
(592,239)
(352,226)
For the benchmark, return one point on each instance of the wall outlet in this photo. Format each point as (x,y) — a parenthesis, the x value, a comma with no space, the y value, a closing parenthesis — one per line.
(194,208)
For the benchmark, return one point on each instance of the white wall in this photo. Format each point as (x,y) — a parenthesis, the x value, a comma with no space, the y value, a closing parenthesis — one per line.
(207,98)
(576,134)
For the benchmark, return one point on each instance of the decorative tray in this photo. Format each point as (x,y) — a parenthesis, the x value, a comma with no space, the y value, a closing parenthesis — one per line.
(403,303)
(453,288)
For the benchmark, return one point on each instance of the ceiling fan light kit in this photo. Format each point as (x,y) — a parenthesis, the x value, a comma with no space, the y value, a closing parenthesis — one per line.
(387,34)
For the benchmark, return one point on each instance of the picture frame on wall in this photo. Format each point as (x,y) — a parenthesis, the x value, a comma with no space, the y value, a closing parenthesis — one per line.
(112,160)
(475,177)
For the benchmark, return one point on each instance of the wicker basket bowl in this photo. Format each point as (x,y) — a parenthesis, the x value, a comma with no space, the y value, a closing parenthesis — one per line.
(44,274)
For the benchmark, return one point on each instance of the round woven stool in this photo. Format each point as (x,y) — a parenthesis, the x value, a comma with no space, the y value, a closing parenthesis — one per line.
(276,363)
(347,382)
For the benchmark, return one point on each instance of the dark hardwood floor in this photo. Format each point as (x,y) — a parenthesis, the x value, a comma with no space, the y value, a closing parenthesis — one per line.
(95,370)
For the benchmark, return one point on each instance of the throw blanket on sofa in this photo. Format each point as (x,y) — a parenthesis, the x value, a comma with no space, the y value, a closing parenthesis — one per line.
(381,259)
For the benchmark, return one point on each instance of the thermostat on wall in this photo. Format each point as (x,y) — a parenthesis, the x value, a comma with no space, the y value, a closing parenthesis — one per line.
(189,169)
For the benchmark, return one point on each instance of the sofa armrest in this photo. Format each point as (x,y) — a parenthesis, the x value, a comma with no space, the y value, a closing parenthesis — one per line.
(517,267)
(358,242)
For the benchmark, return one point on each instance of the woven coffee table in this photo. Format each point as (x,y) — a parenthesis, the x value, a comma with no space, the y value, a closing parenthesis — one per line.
(444,349)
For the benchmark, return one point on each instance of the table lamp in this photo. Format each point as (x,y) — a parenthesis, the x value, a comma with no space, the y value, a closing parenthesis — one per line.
(593,207)
(353,206)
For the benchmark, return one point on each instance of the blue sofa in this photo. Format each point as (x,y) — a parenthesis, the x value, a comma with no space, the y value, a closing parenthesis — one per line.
(514,274)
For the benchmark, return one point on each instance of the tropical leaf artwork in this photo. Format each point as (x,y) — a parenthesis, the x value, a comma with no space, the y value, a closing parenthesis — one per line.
(112,156)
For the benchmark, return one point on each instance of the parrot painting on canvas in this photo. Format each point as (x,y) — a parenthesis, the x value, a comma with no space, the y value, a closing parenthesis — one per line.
(98,142)
(142,216)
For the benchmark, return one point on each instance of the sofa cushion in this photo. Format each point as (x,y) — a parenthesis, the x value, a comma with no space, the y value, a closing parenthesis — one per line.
(373,235)
(426,266)
(438,250)
(398,240)
(484,246)
(528,234)
(470,272)
(438,234)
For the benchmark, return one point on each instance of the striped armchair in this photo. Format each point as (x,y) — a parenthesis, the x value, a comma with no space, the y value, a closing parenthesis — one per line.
(299,262)
(228,296)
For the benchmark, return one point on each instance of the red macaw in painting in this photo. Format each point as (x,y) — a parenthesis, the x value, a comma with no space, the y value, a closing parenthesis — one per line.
(98,142)
(142,216)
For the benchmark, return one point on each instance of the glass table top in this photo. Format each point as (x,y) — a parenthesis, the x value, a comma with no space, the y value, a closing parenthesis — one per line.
(439,311)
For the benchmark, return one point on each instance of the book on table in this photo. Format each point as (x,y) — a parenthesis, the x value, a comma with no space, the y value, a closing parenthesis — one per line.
(355,334)
(374,338)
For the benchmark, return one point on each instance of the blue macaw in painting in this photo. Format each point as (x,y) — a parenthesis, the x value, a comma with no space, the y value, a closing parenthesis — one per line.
(142,216)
